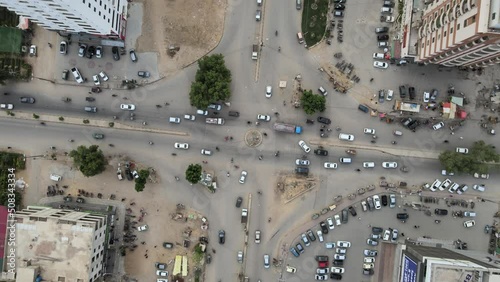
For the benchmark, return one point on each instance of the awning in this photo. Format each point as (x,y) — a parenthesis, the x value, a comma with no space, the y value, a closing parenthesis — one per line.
(24,23)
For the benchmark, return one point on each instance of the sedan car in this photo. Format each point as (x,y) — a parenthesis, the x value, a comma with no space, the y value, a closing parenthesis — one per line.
(263,117)
(376,201)
(27,100)
(339,256)
(257,236)
(258,14)
(337,269)
(462,150)
(302,162)
(324,120)
(63,47)
(368,259)
(380,65)
(33,51)
(103,76)
(387,235)
(82,50)
(96,80)
(438,125)
(320,235)
(98,52)
(239,201)
(269,91)
(128,107)
(311,235)
(426,97)
(371,242)
(321,152)
(370,253)
(343,244)
(389,164)
(304,146)
(323,227)
(305,240)
(339,7)
(369,131)
(243,176)
(7,106)
(330,223)
(321,277)
(395,233)
(143,74)
(116,53)
(330,165)
(222,237)
(162,273)
(469,223)
(98,136)
(368,164)
(184,146)
(383,37)
(266,261)
(143,227)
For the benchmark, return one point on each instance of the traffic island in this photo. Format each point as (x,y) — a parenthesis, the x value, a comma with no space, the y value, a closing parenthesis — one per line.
(253,138)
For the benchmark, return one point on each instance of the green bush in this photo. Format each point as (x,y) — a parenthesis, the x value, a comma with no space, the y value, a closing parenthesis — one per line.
(86,121)
(35,116)
(61,118)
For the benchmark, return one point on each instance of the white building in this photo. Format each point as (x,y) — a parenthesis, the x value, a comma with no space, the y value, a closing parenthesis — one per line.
(60,245)
(96,17)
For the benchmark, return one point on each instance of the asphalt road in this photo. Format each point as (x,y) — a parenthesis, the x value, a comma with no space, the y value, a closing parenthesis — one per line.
(241,31)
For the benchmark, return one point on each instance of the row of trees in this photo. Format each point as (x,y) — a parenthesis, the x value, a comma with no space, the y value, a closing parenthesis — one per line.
(478,160)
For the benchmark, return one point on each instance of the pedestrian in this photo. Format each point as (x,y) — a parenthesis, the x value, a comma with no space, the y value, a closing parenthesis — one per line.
(359,218)
(155,247)
(369,225)
(402,234)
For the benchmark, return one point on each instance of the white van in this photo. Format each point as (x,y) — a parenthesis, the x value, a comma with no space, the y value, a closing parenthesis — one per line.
(300,37)
(55,177)
(174,120)
(77,75)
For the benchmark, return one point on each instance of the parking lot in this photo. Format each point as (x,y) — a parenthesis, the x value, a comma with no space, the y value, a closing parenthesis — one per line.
(359,228)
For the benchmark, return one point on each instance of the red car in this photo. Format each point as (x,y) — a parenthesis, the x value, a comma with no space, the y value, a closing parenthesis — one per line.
(322,264)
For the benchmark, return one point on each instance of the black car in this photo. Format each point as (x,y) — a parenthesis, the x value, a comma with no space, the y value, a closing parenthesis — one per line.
(302,170)
(27,100)
(440,212)
(345,216)
(143,74)
(368,271)
(311,235)
(234,114)
(381,29)
(68,199)
(405,122)
(377,230)
(80,200)
(413,125)
(338,262)
(89,99)
(388,4)
(384,200)
(129,175)
(381,96)
(321,152)
(363,108)
(324,120)
(335,276)
(324,228)
(402,91)
(90,52)
(352,211)
(116,53)
(383,37)
(402,216)
(239,200)
(411,90)
(339,1)
(222,237)
(339,7)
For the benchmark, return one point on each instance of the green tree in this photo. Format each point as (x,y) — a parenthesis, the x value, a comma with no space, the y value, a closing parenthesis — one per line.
(140,182)
(313,102)
(476,161)
(212,82)
(193,173)
(90,161)
(4,75)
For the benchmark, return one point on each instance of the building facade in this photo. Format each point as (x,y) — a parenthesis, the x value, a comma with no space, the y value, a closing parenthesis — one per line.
(97,17)
(60,245)
(452,33)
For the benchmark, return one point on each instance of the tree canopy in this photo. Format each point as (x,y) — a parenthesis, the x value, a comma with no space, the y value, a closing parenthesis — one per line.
(90,161)
(313,102)
(476,161)
(140,182)
(193,173)
(212,82)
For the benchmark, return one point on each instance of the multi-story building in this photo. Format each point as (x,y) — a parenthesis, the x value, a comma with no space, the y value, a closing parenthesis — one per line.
(96,17)
(59,245)
(452,33)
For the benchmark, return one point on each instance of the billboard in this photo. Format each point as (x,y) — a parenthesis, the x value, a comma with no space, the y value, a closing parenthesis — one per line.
(409,270)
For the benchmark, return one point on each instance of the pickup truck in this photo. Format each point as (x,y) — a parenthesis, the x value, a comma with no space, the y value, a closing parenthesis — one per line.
(218,121)
(244,216)
(255,52)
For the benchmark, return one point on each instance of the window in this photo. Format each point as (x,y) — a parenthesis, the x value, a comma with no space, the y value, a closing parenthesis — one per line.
(458,26)
(447,7)
(439,36)
(427,42)
(451,30)
(493,16)
(444,35)
(433,39)
(465,23)
(473,19)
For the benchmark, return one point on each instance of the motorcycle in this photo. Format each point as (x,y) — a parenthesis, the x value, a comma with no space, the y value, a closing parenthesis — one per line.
(177,178)
(277,154)
(151,143)
(276,33)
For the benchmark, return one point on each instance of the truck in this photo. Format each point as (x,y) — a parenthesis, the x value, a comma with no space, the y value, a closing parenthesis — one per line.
(387,19)
(244,216)
(255,51)
(218,121)
(289,128)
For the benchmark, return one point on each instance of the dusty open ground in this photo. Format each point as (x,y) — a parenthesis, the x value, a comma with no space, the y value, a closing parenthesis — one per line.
(195,26)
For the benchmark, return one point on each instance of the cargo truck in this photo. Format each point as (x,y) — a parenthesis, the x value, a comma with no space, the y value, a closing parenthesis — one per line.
(218,121)
(244,216)
(255,52)
(289,128)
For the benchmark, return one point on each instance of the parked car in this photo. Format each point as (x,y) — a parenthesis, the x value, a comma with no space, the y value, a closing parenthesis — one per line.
(302,162)
(324,120)
(411,90)
(133,55)
(381,29)
(98,52)
(258,14)
(383,37)
(380,65)
(402,91)
(330,165)
(392,200)
(239,201)
(82,49)
(263,117)
(469,223)
(323,227)
(376,201)
(440,212)
(103,76)
(462,150)
(352,211)
(143,74)
(381,96)
(394,235)
(116,53)
(311,235)
(343,244)
(304,146)
(300,248)
(426,97)
(294,252)
(330,223)
(338,14)
(243,176)
(438,125)
(384,200)
(320,235)
(370,253)
(305,240)
(371,242)
(63,47)
(321,152)
(402,216)
(389,164)
(387,235)
(479,187)
(222,237)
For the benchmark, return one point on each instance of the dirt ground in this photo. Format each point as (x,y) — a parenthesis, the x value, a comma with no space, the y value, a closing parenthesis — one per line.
(291,186)
(153,199)
(195,26)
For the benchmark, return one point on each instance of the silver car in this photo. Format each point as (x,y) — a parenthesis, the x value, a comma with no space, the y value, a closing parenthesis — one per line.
(302,162)
(243,176)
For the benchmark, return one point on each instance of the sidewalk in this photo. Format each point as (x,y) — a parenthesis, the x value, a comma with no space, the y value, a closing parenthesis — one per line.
(393,150)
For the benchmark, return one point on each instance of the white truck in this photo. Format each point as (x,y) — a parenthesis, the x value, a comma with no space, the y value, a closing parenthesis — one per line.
(244,216)
(218,121)
(255,52)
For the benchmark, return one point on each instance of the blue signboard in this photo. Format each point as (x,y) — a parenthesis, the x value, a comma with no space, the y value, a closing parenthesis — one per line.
(409,272)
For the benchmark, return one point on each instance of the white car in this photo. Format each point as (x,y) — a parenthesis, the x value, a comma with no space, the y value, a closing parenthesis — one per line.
(330,223)
(135,174)
(343,244)
(387,235)
(7,106)
(330,245)
(266,261)
(479,187)
(369,260)
(206,152)
(257,236)
(202,112)
(369,131)
(368,164)
(376,202)
(483,176)
(337,220)
(215,107)
(269,91)
(184,146)
(302,162)
(469,223)
(243,176)
(33,51)
(190,117)
(462,150)
(340,251)
(337,270)
(368,266)
(96,79)
(320,235)
(389,164)
(304,146)
(445,185)
(263,117)
(330,165)
(438,125)
(103,76)
(380,65)
(339,257)
(63,47)
(427,97)
(128,107)
(162,273)
(346,137)
(435,185)
(390,94)
(321,277)
(143,227)
(364,206)
(378,55)
(322,270)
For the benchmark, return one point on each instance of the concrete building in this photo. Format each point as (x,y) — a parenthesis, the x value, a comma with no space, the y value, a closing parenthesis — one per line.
(436,264)
(59,245)
(452,33)
(97,17)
